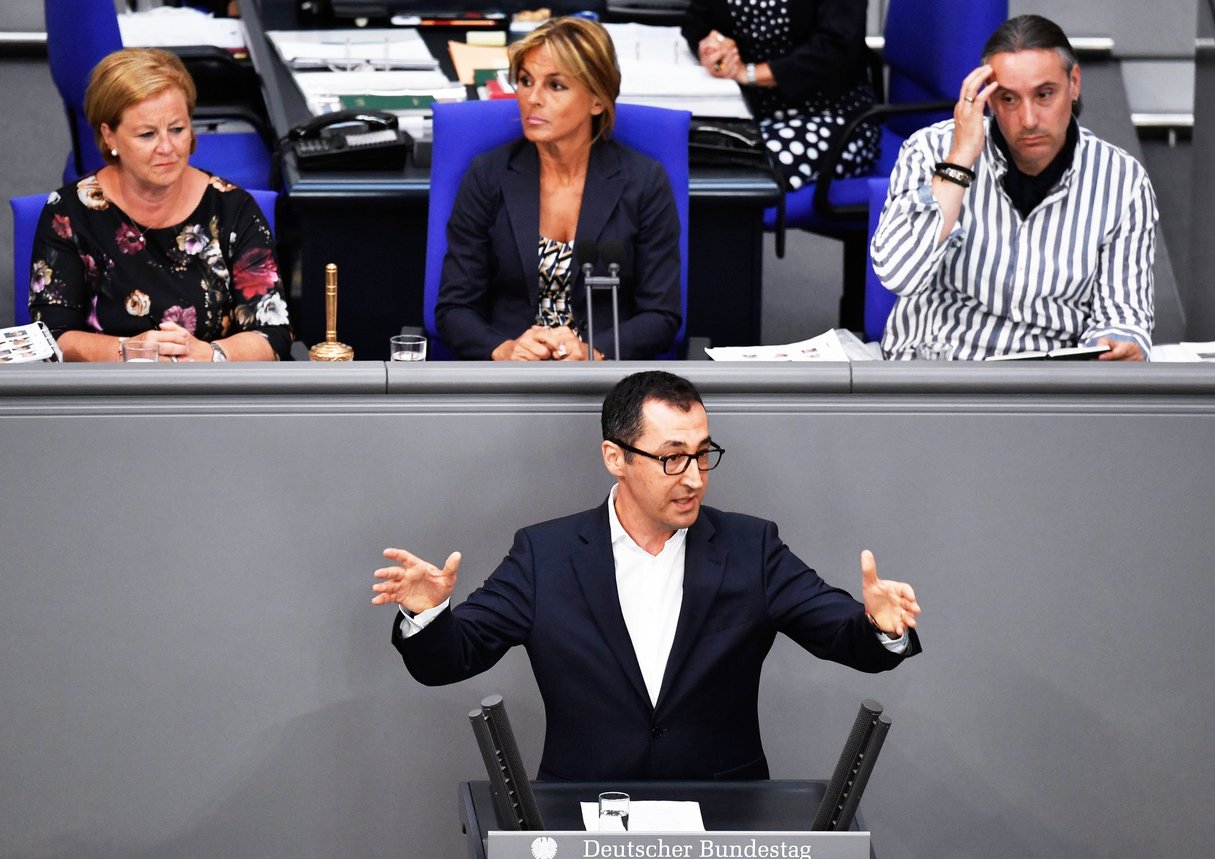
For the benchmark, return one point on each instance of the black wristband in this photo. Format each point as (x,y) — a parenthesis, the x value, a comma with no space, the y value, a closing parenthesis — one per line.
(957,167)
(952,174)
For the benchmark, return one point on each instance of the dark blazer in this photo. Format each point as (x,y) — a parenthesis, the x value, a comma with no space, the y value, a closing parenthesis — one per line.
(555,593)
(828,36)
(489,288)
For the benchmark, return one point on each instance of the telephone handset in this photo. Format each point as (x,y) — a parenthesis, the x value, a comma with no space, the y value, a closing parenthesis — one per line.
(350,140)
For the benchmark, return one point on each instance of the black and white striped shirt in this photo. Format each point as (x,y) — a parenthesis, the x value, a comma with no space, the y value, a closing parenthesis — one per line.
(1078,268)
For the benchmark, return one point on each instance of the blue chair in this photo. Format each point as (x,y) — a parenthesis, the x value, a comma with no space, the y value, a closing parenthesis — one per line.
(931,45)
(879,301)
(26,211)
(464,130)
(79,33)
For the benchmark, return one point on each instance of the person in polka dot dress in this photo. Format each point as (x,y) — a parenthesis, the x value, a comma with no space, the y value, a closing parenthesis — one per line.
(802,67)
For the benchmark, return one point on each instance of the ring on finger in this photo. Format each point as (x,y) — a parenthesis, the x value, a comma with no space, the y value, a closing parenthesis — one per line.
(970,99)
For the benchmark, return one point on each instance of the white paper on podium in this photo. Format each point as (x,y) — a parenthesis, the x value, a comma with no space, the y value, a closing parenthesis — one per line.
(652,816)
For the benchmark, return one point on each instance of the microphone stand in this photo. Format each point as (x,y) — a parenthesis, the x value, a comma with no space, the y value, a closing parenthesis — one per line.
(612,284)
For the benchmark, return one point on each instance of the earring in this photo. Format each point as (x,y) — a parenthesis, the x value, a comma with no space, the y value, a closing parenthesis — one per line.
(113,153)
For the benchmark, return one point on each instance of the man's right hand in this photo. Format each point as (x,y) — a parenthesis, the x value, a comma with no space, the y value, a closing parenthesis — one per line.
(415,584)
(969,133)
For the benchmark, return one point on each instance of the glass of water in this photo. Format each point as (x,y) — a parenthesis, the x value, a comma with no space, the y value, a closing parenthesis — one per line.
(407,347)
(135,351)
(613,811)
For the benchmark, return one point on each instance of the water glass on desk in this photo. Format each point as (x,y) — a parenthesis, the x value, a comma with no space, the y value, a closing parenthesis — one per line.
(135,351)
(613,811)
(407,347)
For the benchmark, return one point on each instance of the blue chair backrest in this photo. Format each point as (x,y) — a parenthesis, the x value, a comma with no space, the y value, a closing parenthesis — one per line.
(26,211)
(878,299)
(25,223)
(79,34)
(466,129)
(931,45)
(266,201)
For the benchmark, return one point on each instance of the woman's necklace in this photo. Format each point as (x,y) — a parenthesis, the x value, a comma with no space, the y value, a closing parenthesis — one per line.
(141,240)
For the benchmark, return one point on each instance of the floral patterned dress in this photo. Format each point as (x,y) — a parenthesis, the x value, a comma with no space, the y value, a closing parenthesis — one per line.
(95,269)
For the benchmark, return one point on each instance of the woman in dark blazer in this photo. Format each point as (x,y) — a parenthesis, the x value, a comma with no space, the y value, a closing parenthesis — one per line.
(507,288)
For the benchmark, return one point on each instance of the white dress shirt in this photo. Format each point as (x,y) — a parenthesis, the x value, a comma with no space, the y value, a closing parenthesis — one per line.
(651,594)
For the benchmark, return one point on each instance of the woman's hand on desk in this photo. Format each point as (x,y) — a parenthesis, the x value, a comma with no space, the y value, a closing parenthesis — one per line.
(544,344)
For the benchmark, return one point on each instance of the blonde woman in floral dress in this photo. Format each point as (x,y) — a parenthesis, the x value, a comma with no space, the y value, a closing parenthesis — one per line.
(148,247)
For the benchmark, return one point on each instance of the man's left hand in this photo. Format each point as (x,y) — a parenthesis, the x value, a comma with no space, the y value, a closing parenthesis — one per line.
(891,604)
(1120,350)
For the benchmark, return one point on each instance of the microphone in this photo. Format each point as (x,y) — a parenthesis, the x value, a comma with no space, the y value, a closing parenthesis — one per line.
(586,254)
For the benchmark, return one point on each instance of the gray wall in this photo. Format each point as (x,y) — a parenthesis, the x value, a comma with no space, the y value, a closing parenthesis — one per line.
(191,667)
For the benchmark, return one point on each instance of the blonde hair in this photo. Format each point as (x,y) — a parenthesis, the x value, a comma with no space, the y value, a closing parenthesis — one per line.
(127,77)
(583,49)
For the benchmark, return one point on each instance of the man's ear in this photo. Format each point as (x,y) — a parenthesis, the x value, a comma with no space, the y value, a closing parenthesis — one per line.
(613,459)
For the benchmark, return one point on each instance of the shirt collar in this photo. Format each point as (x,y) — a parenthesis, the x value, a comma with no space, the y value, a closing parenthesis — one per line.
(620,537)
(997,150)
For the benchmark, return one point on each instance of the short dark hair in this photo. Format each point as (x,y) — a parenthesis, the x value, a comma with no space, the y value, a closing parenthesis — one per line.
(1033,33)
(621,417)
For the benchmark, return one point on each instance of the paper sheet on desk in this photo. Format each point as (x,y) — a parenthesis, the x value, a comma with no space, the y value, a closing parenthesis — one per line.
(1181,352)
(169,27)
(835,345)
(323,49)
(652,816)
(323,91)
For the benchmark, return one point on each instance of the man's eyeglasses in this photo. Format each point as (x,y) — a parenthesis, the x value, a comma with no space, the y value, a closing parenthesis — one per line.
(677,463)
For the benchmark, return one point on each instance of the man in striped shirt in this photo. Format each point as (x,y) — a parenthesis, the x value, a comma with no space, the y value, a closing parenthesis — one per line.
(1022,231)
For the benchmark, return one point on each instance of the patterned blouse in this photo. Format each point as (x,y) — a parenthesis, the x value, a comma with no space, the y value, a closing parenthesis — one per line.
(555,308)
(95,269)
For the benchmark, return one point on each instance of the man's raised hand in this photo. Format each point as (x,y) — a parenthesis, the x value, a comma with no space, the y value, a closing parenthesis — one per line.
(891,604)
(414,583)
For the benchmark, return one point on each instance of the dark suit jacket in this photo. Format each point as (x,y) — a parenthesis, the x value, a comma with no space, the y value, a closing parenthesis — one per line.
(489,288)
(555,593)
(828,44)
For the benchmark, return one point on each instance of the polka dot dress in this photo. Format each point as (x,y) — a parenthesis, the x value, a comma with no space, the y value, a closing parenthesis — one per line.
(798,134)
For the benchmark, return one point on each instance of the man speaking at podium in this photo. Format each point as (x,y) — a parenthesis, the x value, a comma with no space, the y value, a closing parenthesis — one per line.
(648,618)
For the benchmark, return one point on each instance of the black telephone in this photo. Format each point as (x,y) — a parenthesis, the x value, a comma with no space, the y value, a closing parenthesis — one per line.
(350,140)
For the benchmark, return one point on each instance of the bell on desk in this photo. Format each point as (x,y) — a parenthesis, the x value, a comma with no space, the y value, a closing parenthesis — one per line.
(331,349)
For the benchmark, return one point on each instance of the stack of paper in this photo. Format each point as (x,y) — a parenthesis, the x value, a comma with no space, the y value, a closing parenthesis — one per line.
(838,344)
(349,50)
(167,27)
(394,91)
(656,68)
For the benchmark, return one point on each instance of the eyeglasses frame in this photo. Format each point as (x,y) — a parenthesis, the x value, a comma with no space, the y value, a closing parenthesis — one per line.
(713,446)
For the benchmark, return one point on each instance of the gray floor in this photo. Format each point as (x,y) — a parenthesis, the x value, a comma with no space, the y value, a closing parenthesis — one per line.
(801,292)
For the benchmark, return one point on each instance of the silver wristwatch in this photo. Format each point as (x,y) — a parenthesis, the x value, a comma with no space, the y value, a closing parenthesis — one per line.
(217,353)
(751,74)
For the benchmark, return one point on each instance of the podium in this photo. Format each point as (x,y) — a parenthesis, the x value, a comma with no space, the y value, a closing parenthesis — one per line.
(743,809)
